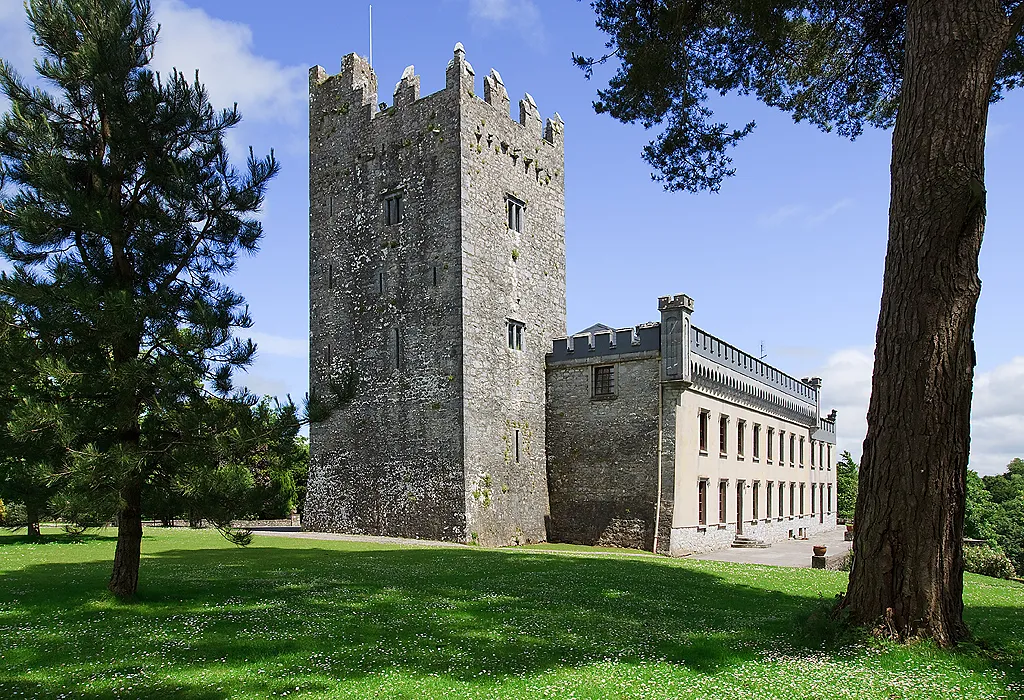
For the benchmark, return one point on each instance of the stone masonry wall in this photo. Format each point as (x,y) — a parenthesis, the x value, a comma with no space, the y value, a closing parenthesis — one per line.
(385,304)
(507,275)
(602,453)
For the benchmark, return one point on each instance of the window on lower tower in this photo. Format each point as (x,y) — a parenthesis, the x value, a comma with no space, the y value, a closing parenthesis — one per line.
(514,208)
(515,334)
(393,209)
(604,382)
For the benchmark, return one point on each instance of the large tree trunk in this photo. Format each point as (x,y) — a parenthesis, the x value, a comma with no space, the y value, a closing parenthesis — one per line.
(124,580)
(908,574)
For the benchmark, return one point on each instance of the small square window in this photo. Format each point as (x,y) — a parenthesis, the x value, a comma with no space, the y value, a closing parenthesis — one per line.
(393,209)
(604,382)
(515,335)
(514,208)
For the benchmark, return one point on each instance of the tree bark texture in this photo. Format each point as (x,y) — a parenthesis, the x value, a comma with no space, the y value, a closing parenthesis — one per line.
(124,580)
(908,573)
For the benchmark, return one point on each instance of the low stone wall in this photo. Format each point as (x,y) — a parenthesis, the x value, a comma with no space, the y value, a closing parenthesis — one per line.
(698,540)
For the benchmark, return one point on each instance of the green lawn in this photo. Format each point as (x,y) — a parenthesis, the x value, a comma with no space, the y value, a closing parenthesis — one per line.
(305,618)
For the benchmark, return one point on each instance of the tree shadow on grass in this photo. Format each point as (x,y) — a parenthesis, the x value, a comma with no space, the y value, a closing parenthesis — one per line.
(266,619)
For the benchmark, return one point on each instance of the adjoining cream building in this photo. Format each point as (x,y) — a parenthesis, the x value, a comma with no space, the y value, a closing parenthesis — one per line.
(437,281)
(663,437)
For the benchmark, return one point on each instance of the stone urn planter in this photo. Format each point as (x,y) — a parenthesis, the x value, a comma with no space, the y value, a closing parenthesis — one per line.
(819,550)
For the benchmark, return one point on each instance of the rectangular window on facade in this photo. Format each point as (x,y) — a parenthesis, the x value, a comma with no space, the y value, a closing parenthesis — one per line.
(802,498)
(768,501)
(723,435)
(517,445)
(756,439)
(782,496)
(702,501)
(330,276)
(741,429)
(604,382)
(514,208)
(393,209)
(792,499)
(723,491)
(801,451)
(753,500)
(398,349)
(771,442)
(435,275)
(381,283)
(703,431)
(515,335)
(829,506)
(812,499)
(812,454)
(821,454)
(782,447)
(829,462)
(792,450)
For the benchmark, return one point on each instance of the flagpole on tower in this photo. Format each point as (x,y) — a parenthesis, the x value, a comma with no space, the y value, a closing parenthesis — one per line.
(371,36)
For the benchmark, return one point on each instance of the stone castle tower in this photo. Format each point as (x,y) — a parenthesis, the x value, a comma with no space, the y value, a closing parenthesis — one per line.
(437,279)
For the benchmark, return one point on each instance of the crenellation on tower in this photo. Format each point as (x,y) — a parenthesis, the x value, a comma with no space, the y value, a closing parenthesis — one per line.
(495,93)
(529,115)
(407,90)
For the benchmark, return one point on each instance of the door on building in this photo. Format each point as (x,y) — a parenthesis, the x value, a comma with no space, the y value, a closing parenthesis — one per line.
(739,507)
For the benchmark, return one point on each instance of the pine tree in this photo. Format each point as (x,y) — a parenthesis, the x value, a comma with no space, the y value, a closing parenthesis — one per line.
(929,69)
(121,213)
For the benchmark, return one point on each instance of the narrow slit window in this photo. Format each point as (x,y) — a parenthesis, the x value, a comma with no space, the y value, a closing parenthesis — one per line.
(515,334)
(702,502)
(757,442)
(741,429)
(812,454)
(330,276)
(393,209)
(398,349)
(754,494)
(381,283)
(771,442)
(768,500)
(435,275)
(801,452)
(723,435)
(792,445)
(723,492)
(703,427)
(514,208)
(517,446)
(782,498)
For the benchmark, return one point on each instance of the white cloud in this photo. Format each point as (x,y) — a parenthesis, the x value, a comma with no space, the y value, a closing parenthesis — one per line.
(262,385)
(997,418)
(223,52)
(523,15)
(278,345)
(266,91)
(802,214)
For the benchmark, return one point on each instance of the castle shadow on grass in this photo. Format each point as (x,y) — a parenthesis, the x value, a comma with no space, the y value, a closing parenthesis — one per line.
(314,617)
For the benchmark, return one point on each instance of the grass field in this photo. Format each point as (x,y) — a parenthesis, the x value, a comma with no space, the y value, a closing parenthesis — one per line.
(306,618)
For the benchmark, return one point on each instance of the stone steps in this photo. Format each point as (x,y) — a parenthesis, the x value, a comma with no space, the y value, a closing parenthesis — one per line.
(744,542)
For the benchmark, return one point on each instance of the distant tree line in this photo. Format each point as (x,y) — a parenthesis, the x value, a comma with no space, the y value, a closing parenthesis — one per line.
(994,514)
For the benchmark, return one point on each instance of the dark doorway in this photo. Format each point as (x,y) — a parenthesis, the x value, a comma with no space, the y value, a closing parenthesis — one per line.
(739,507)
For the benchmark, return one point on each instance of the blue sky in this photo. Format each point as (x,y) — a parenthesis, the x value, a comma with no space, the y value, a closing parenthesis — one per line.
(789,254)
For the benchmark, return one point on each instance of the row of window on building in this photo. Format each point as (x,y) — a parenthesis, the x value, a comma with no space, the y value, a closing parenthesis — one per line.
(394,211)
(820,452)
(775,493)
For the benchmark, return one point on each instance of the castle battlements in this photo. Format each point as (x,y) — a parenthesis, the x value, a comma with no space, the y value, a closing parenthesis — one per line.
(356,85)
